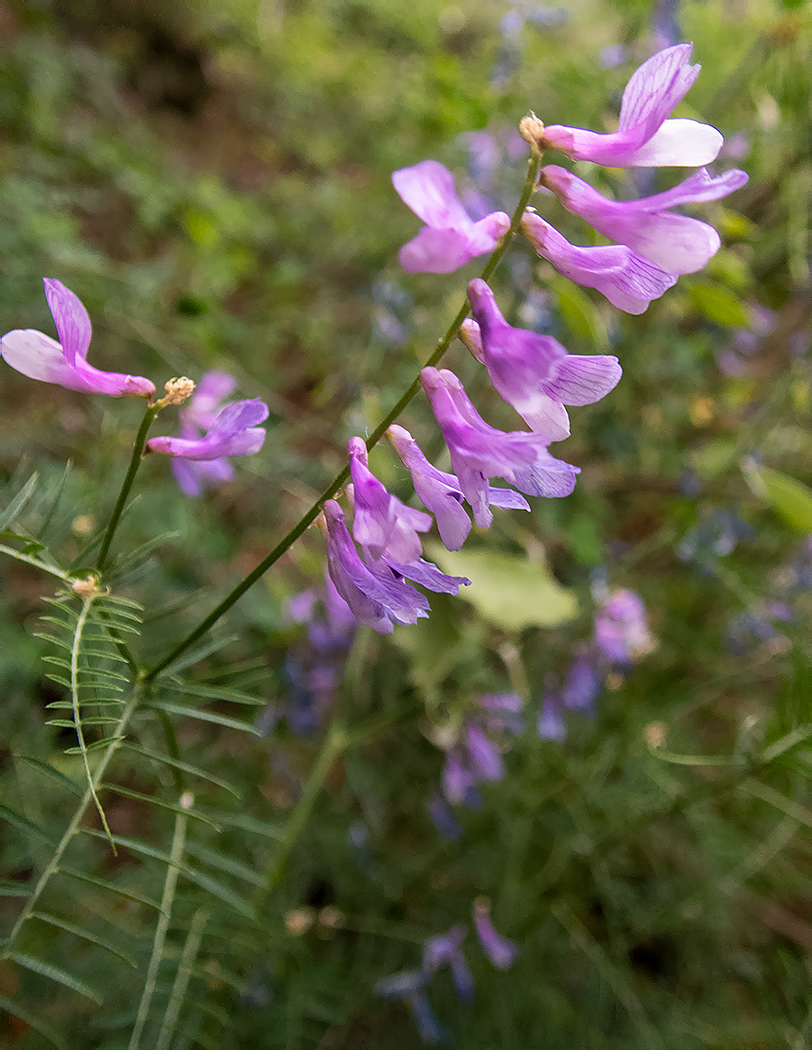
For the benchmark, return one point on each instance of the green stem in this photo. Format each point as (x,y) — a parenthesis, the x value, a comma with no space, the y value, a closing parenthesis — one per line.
(129,478)
(343,476)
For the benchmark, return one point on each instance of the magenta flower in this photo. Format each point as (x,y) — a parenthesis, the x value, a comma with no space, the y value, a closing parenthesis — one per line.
(621,628)
(479,452)
(38,356)
(440,491)
(234,433)
(499,949)
(644,137)
(534,373)
(627,280)
(675,243)
(451,238)
(374,601)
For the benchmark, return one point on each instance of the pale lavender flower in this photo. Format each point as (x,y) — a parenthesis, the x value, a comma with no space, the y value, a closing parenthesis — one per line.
(373,601)
(675,243)
(551,725)
(644,137)
(502,711)
(484,756)
(501,951)
(621,628)
(628,281)
(534,373)
(450,238)
(440,491)
(64,363)
(235,432)
(582,685)
(479,452)
(458,781)
(446,950)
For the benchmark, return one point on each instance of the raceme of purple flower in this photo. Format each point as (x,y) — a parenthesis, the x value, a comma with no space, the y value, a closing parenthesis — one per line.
(235,432)
(440,491)
(479,452)
(675,243)
(450,238)
(373,600)
(644,136)
(534,373)
(501,951)
(628,281)
(64,363)
(622,631)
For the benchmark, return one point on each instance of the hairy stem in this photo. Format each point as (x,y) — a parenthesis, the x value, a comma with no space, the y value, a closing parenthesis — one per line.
(129,478)
(343,476)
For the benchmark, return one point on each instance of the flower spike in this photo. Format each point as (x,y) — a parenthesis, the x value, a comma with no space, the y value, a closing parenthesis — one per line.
(534,373)
(450,238)
(644,137)
(675,243)
(64,363)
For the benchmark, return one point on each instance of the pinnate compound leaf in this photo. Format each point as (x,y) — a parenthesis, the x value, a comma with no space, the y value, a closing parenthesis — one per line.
(18,504)
(55,973)
(508,590)
(85,935)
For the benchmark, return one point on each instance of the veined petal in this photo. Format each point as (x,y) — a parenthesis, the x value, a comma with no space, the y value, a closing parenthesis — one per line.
(439,251)
(428,575)
(655,88)
(71,319)
(584,379)
(678,143)
(428,189)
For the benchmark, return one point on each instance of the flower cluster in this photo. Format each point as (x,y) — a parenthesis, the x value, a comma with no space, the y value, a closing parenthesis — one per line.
(446,950)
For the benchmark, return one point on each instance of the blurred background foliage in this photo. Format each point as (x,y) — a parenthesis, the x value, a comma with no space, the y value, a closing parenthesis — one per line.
(212,179)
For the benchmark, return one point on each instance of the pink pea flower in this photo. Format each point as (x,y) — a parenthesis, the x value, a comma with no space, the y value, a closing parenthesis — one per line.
(644,137)
(235,432)
(534,373)
(628,281)
(374,601)
(499,949)
(38,356)
(674,243)
(451,238)
(479,452)
(440,491)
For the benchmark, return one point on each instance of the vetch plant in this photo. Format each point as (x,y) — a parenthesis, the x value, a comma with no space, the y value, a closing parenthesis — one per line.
(120,701)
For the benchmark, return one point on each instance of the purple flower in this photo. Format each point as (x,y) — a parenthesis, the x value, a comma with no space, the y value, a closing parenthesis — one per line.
(234,433)
(38,356)
(443,819)
(502,711)
(382,522)
(479,452)
(621,628)
(628,281)
(451,238)
(499,949)
(644,137)
(459,783)
(675,243)
(551,725)
(534,373)
(440,491)
(374,601)
(411,986)
(582,685)
(446,949)
(484,756)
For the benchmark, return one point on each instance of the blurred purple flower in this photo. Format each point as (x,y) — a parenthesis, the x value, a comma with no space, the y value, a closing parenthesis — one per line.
(645,138)
(499,949)
(675,243)
(628,281)
(621,628)
(64,363)
(582,685)
(534,373)
(479,452)
(450,238)
(459,782)
(446,950)
(551,725)
(440,491)
(443,819)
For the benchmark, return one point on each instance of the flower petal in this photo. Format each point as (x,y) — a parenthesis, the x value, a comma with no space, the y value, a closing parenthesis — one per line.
(438,251)
(428,189)
(584,379)
(71,319)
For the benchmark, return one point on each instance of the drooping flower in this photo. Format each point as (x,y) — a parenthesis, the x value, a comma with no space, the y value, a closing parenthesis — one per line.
(374,601)
(410,985)
(440,491)
(675,243)
(450,238)
(64,363)
(628,281)
(446,950)
(479,452)
(622,631)
(582,685)
(235,432)
(458,780)
(551,725)
(499,949)
(387,530)
(644,136)
(534,373)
